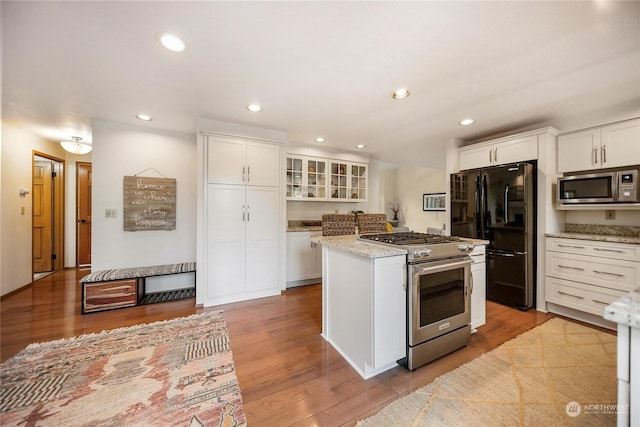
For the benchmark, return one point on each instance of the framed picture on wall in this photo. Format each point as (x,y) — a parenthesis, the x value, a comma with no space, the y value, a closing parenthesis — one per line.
(434,202)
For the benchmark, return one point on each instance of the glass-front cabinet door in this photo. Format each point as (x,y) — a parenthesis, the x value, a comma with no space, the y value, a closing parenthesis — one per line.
(294,182)
(339,189)
(306,178)
(358,177)
(316,179)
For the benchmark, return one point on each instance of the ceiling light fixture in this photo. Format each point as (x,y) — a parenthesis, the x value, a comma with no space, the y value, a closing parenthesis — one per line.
(319,139)
(77,146)
(466,122)
(254,108)
(145,117)
(401,93)
(360,146)
(171,42)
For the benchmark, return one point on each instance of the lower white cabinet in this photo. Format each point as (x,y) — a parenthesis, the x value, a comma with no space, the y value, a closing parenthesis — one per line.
(479,293)
(304,258)
(588,275)
(243,243)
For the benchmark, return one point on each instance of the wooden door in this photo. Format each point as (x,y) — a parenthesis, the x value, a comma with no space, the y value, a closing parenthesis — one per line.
(42,216)
(83,214)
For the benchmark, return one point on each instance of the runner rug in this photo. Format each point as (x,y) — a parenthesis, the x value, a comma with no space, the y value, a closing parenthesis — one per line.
(173,373)
(557,374)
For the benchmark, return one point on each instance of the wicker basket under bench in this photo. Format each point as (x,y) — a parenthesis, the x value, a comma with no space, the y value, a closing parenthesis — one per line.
(126,287)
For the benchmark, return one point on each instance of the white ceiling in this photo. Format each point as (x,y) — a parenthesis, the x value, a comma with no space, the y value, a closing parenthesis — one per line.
(324,68)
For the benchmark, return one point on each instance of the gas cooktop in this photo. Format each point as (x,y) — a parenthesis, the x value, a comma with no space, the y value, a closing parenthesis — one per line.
(422,247)
(409,238)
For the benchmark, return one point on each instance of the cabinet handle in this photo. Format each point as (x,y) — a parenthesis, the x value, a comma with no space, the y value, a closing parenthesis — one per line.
(595,155)
(490,154)
(570,267)
(495,154)
(570,295)
(243,174)
(604,154)
(600,302)
(248,173)
(248,213)
(243,213)
(608,250)
(570,246)
(608,274)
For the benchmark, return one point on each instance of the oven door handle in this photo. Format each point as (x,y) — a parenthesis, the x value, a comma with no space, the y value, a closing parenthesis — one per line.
(447,266)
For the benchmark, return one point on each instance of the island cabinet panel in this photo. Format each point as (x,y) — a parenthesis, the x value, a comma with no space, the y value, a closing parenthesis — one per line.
(364,309)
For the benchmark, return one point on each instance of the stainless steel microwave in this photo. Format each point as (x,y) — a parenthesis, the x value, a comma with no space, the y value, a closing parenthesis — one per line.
(613,186)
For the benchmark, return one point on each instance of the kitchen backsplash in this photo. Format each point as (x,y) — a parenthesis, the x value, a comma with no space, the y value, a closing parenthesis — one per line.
(611,230)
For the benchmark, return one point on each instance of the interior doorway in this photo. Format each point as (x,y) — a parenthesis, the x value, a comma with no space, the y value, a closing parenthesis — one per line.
(47,214)
(83,214)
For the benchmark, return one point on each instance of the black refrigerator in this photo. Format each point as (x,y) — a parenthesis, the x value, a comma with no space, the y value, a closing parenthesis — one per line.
(498,204)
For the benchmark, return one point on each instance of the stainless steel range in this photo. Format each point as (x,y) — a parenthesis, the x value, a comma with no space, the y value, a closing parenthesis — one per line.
(439,289)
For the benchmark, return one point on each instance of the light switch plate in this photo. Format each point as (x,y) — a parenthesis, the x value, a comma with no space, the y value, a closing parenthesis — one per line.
(110,213)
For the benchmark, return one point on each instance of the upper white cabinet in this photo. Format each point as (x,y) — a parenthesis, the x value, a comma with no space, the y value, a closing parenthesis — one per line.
(237,161)
(498,152)
(348,181)
(306,178)
(316,178)
(609,146)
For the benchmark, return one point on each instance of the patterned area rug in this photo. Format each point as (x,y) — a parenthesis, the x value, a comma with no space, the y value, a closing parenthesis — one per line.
(174,373)
(557,374)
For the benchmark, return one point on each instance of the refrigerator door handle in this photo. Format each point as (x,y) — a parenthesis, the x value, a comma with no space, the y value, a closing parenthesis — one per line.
(506,204)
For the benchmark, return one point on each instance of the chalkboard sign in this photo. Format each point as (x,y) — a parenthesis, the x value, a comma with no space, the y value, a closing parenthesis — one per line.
(149,203)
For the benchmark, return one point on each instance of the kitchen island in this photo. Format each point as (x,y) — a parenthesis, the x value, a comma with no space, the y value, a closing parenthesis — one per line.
(364,302)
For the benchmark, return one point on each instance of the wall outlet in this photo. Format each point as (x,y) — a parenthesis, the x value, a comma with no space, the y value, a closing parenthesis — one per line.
(110,213)
(609,214)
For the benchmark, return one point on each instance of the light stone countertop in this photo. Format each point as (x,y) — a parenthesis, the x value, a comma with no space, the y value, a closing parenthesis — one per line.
(625,311)
(304,228)
(597,237)
(348,243)
(475,242)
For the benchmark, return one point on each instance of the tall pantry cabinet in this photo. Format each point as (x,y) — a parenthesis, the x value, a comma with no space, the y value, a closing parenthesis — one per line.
(242,220)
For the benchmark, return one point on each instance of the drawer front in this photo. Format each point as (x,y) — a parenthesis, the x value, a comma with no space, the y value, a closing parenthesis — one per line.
(608,273)
(590,299)
(600,249)
(107,295)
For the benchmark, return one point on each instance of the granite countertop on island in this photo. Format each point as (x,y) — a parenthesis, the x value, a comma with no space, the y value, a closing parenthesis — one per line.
(349,243)
(625,311)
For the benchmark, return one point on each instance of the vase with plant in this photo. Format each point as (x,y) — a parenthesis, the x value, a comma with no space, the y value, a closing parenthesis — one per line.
(395,208)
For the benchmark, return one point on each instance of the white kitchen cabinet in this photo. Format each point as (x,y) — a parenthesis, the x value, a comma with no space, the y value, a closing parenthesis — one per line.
(479,292)
(240,162)
(498,152)
(348,181)
(586,275)
(306,178)
(243,220)
(610,146)
(364,309)
(304,258)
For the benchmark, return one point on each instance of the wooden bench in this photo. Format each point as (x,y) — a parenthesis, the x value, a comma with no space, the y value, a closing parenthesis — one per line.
(126,287)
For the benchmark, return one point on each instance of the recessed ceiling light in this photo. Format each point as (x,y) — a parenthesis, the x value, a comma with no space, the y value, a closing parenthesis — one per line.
(145,117)
(401,93)
(466,122)
(255,108)
(171,42)
(319,139)
(360,146)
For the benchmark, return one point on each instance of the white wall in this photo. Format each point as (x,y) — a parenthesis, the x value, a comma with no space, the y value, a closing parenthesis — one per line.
(410,184)
(625,218)
(124,150)
(17,156)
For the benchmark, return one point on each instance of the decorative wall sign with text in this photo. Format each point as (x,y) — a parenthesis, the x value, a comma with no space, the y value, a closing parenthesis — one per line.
(149,203)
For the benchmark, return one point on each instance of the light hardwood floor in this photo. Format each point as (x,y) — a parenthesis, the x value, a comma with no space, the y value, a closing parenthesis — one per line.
(288,374)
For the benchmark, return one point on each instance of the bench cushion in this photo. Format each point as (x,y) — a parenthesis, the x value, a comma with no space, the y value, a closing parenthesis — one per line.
(132,273)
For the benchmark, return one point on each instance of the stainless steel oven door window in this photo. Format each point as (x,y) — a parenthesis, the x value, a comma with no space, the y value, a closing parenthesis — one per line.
(440,298)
